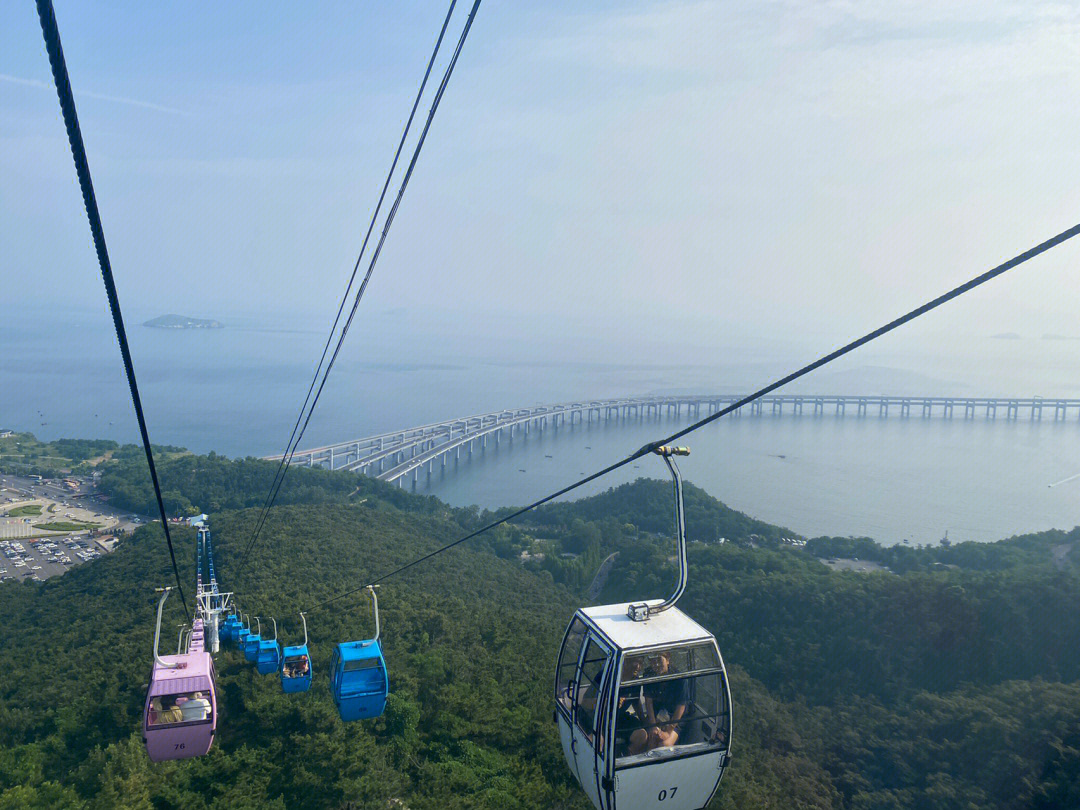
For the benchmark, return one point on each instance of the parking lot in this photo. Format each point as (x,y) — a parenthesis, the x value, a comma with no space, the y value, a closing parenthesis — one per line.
(38,520)
(38,560)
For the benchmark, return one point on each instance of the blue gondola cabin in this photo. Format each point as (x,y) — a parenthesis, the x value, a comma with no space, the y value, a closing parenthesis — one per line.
(296,665)
(268,658)
(358,679)
(296,670)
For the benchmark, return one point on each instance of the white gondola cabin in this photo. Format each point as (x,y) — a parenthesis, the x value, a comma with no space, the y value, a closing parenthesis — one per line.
(643,708)
(642,699)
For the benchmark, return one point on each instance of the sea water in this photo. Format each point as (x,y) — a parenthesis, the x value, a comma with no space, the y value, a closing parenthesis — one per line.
(237,391)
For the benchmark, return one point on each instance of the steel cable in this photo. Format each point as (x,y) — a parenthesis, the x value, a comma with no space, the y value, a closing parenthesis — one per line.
(828,358)
(51,33)
(378,250)
(293,439)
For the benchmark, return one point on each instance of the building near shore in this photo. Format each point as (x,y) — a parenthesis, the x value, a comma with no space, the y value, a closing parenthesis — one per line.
(107,542)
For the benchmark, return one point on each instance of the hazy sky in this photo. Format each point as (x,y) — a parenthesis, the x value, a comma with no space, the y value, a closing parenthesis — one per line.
(692,173)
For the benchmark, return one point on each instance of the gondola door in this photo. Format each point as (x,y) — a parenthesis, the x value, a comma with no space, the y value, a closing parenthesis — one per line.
(566,676)
(587,733)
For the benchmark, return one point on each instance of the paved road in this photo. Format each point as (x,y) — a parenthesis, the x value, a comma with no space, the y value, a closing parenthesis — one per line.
(597,585)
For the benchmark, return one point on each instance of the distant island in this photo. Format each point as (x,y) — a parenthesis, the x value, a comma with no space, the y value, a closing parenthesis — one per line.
(181,322)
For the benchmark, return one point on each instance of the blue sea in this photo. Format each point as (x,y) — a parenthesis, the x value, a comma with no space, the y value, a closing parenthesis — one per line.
(236,391)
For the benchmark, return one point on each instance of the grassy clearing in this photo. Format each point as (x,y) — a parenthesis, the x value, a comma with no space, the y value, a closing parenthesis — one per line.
(67,526)
(30,510)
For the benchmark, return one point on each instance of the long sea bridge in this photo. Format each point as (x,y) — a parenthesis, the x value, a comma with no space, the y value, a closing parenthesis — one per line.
(396,455)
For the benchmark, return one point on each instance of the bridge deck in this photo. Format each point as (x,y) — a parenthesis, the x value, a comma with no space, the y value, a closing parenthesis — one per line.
(392,456)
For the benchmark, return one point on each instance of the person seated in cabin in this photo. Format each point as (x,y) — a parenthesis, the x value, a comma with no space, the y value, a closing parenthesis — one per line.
(171,711)
(195,707)
(297,667)
(630,718)
(665,703)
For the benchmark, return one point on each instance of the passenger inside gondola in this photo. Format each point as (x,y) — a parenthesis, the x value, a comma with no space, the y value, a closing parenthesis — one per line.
(630,718)
(296,667)
(665,702)
(192,707)
(671,702)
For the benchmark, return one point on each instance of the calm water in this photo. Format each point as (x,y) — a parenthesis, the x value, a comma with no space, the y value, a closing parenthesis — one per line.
(236,391)
(890,479)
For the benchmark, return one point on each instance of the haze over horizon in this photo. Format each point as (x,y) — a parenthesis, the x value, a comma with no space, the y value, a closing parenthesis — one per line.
(762,174)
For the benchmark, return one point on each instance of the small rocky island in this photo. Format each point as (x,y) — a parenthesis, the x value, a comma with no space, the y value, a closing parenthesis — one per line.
(181,322)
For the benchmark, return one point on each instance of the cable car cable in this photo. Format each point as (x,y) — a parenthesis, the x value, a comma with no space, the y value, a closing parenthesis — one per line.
(51,33)
(374,259)
(378,249)
(282,466)
(828,358)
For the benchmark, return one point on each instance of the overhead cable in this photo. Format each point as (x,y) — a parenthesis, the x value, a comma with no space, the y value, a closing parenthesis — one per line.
(651,446)
(293,439)
(82,167)
(374,258)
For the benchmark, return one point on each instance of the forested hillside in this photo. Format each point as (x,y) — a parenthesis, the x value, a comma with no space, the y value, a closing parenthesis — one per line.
(955,684)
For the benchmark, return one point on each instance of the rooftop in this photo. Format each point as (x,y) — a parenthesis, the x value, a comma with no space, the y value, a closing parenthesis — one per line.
(195,665)
(669,627)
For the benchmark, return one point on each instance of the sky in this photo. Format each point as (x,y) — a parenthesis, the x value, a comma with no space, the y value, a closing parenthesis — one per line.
(635,180)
